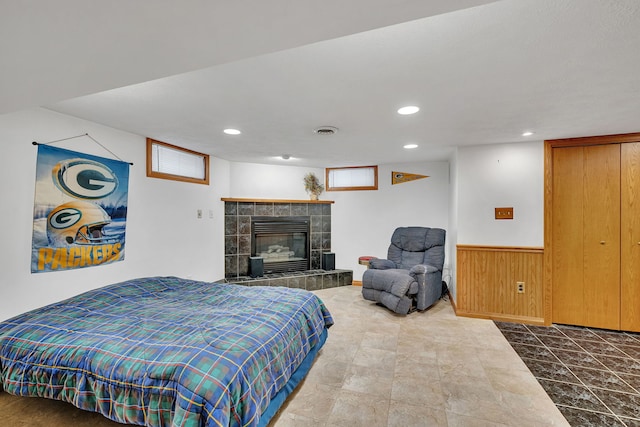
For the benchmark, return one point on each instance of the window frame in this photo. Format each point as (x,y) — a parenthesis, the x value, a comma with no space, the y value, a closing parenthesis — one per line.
(163,175)
(354,188)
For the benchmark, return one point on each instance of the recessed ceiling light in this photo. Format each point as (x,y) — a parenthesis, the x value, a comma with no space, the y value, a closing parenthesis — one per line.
(286,157)
(232,131)
(527,133)
(410,109)
(410,146)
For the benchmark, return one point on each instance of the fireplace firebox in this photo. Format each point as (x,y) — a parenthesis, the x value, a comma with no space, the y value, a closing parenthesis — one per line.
(282,242)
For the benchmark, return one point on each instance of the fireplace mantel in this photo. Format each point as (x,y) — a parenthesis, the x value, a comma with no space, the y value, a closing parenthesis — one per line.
(233,199)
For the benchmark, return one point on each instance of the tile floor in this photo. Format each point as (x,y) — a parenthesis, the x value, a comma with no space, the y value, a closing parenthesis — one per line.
(380,369)
(425,369)
(592,375)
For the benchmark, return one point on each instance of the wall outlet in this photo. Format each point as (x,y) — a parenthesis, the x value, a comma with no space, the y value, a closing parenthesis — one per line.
(520,287)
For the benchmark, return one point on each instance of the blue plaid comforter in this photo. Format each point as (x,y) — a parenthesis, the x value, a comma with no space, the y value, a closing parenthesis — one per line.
(164,351)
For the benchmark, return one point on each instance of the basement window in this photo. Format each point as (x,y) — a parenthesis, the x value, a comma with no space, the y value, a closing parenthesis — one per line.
(168,161)
(352,178)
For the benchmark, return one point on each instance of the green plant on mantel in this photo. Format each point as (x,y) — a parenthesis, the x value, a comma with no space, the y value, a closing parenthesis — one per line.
(312,185)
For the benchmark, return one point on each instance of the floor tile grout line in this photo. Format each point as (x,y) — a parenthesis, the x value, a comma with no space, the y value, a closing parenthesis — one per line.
(577,408)
(627,354)
(583,383)
(560,330)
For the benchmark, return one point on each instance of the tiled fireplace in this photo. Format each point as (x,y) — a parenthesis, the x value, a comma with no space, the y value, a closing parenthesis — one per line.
(238,242)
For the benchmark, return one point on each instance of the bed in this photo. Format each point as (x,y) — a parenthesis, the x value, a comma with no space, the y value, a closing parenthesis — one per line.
(165,351)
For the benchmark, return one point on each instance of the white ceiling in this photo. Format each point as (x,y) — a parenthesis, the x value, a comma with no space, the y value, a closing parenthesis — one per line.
(481,75)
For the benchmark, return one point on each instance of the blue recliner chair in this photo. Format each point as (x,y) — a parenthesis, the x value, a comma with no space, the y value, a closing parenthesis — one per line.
(411,276)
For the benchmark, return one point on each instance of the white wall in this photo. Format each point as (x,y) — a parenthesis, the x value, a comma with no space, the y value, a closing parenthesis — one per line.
(501,175)
(251,180)
(164,237)
(449,275)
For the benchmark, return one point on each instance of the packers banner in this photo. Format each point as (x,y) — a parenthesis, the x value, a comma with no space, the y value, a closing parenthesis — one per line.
(80,210)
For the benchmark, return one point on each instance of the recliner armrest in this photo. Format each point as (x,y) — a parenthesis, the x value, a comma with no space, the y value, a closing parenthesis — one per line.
(422,269)
(381,264)
(429,280)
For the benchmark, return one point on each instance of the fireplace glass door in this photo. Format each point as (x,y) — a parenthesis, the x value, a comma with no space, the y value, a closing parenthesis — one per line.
(282,243)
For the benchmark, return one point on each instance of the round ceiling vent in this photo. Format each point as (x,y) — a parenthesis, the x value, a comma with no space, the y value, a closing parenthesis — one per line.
(326,130)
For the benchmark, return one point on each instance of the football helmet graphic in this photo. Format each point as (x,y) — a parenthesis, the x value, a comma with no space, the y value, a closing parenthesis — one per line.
(80,223)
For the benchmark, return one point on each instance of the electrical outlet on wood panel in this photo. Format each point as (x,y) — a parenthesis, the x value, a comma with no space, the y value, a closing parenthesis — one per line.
(520,287)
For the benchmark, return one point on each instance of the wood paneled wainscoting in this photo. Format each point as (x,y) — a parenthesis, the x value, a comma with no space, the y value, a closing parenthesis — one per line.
(487,283)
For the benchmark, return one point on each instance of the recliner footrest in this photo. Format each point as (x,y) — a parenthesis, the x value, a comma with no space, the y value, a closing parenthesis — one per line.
(389,287)
(394,281)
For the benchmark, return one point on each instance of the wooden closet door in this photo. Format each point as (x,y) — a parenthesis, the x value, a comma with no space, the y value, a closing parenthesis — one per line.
(602,236)
(586,236)
(568,239)
(630,238)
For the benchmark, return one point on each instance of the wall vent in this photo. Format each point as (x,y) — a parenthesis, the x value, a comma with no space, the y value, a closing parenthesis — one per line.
(326,130)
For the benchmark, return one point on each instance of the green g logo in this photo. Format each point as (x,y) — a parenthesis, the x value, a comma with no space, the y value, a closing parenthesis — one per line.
(84,179)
